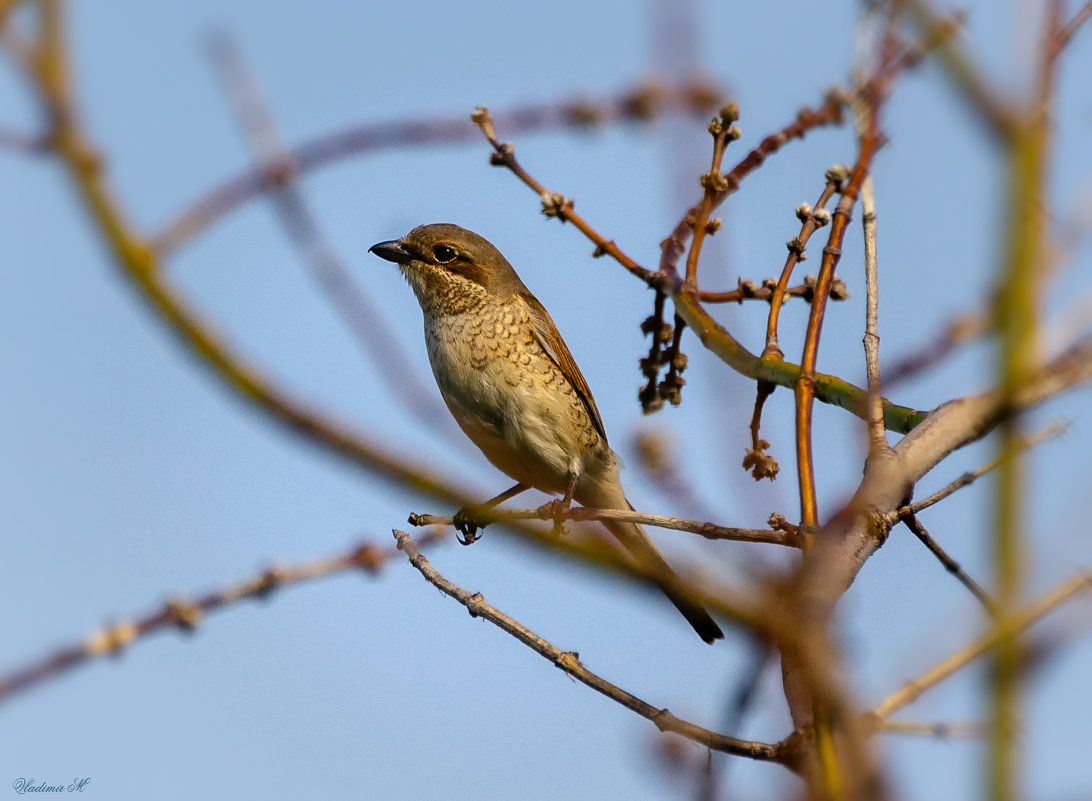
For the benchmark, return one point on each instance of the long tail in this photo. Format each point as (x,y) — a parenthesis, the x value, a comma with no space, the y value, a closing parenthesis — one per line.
(641,547)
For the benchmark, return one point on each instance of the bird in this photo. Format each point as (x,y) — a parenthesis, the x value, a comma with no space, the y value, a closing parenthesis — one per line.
(514,389)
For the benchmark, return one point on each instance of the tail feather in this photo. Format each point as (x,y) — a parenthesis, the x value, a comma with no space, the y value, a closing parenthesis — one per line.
(635,540)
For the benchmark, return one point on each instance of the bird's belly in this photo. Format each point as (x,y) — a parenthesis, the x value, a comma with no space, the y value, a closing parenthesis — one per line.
(513,403)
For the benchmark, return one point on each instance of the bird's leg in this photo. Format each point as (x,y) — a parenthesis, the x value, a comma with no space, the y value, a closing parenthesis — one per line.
(560,507)
(467,520)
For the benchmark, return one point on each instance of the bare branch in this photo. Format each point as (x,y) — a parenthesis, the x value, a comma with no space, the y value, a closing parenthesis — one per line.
(569,662)
(186,614)
(710,531)
(939,731)
(971,476)
(950,564)
(876,438)
(361,315)
(640,104)
(1030,615)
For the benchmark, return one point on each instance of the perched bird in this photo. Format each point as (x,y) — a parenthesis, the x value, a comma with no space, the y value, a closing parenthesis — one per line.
(514,389)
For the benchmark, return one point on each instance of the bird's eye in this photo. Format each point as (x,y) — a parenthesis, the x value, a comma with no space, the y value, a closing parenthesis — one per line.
(443,254)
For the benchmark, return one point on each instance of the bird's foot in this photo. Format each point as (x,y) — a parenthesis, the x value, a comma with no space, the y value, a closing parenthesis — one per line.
(467,521)
(556,510)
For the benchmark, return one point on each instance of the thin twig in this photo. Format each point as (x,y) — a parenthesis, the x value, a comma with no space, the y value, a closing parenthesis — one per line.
(569,663)
(939,731)
(1063,37)
(869,141)
(761,464)
(357,310)
(950,564)
(186,614)
(968,478)
(709,531)
(1025,618)
(965,328)
(1000,117)
(748,290)
(723,131)
(641,104)
(553,203)
(807,119)
(812,218)
(141,265)
(876,439)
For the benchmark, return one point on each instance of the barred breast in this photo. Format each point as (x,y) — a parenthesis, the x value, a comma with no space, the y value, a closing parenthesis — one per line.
(510,398)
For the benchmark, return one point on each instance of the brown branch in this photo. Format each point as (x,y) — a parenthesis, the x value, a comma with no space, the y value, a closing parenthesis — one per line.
(965,328)
(1000,117)
(140,264)
(760,463)
(186,614)
(569,663)
(1063,37)
(547,512)
(1022,620)
(828,113)
(829,389)
(361,315)
(951,565)
(553,203)
(641,104)
(723,131)
(939,731)
(971,476)
(748,290)
(811,219)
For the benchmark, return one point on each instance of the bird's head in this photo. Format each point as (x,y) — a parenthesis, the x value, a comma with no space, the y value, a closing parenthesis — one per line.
(451,269)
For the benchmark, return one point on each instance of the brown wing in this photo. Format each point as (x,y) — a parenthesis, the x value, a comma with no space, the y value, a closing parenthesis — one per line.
(549,339)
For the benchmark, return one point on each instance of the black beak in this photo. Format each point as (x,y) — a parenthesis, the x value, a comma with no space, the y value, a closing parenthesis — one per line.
(391,251)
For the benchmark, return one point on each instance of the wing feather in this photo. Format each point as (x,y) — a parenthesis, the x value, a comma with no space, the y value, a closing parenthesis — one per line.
(549,339)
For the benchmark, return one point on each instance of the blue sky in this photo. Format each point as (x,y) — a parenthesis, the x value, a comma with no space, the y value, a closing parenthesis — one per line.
(129,475)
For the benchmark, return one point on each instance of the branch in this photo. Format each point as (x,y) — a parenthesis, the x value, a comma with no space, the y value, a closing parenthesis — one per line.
(724,132)
(811,219)
(185,615)
(569,663)
(1066,34)
(971,476)
(965,328)
(876,438)
(950,564)
(140,264)
(1001,119)
(640,104)
(554,204)
(1024,619)
(939,731)
(359,313)
(547,512)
